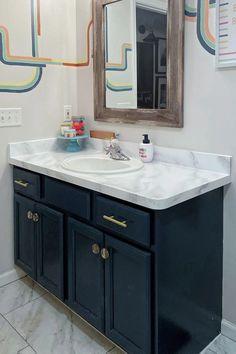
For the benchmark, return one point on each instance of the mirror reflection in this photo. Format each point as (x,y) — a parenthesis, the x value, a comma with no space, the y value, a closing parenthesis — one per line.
(136,54)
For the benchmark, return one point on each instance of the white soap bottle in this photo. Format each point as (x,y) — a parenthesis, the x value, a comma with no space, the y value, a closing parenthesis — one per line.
(146,150)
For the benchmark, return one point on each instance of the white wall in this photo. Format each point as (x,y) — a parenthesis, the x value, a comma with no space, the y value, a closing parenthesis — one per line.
(42,107)
(210,125)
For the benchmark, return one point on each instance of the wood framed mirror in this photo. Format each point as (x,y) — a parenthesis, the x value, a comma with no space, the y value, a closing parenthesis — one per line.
(139,61)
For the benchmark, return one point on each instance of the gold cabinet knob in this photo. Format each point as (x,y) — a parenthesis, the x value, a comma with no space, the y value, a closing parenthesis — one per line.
(95,248)
(105,253)
(30,215)
(35,217)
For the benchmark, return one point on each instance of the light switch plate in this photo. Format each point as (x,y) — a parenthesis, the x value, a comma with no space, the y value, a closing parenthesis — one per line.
(10,117)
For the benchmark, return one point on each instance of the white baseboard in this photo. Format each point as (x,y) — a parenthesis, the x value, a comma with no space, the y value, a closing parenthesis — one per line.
(228,329)
(11,276)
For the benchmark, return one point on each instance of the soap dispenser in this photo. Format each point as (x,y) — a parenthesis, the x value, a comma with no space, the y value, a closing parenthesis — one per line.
(146,150)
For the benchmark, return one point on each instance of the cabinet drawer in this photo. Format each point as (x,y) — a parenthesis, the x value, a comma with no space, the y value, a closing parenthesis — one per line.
(133,224)
(26,182)
(67,197)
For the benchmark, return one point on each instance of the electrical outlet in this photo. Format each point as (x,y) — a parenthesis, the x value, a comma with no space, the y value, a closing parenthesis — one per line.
(67,112)
(10,117)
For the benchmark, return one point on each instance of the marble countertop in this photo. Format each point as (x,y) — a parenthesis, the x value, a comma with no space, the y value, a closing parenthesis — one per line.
(172,178)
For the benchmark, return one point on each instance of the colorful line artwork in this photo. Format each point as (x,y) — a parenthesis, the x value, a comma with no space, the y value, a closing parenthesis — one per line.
(10,59)
(118,87)
(123,65)
(190,13)
(35,60)
(24,86)
(200,14)
(205,37)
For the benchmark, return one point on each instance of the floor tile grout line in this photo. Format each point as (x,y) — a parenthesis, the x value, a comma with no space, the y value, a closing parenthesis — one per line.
(64,305)
(228,337)
(18,307)
(25,340)
(73,313)
(13,281)
(28,346)
(42,296)
(22,349)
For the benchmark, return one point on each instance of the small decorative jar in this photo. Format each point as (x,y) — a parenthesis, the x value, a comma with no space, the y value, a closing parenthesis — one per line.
(70,133)
(65,126)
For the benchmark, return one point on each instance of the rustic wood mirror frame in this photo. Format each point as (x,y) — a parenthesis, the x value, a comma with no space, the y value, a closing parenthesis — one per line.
(171,117)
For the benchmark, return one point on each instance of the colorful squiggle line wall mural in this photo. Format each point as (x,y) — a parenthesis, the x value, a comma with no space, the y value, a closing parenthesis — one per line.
(198,14)
(118,87)
(122,66)
(35,61)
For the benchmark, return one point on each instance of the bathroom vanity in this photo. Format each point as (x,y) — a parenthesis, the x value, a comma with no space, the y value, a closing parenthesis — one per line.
(146,271)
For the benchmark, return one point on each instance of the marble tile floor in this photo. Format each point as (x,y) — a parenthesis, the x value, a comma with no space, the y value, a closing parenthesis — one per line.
(33,321)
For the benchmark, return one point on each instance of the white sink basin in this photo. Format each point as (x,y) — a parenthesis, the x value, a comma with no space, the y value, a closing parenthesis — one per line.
(100,164)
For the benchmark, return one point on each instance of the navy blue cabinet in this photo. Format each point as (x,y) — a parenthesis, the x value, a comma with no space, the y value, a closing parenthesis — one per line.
(50,249)
(25,238)
(39,243)
(128,296)
(112,301)
(86,272)
(139,276)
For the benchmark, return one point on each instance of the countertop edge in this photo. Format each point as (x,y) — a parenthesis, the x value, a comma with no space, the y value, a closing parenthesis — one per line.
(153,204)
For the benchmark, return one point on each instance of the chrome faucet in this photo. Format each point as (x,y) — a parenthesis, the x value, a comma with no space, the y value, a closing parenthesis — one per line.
(114,151)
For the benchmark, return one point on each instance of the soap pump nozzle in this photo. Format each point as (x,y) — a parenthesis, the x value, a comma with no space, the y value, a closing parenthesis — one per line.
(146,139)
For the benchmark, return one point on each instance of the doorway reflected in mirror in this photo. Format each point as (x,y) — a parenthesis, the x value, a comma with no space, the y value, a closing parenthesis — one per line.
(151,58)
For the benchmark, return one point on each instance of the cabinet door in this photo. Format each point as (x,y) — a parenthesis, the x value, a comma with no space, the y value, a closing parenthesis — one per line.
(50,258)
(86,272)
(25,241)
(128,296)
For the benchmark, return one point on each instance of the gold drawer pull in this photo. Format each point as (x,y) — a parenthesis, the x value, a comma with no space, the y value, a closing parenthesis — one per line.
(114,221)
(21,183)
(105,254)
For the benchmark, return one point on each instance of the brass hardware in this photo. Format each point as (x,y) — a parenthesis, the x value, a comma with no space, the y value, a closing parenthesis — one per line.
(30,215)
(105,253)
(21,183)
(114,221)
(35,217)
(96,248)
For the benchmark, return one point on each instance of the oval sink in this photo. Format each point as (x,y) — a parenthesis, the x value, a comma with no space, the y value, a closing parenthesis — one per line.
(100,165)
